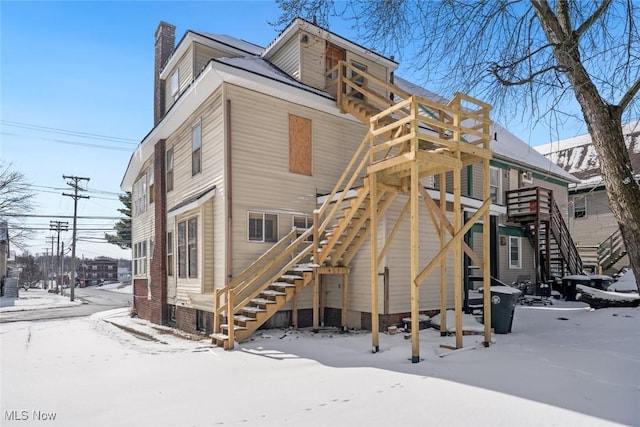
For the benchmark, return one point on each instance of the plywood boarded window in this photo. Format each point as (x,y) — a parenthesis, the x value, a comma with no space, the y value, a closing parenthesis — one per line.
(300,148)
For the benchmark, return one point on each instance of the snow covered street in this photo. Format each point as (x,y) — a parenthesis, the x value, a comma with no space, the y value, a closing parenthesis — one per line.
(562,365)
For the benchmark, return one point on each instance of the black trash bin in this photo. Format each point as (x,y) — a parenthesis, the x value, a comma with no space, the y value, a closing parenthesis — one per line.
(601,281)
(503,305)
(569,284)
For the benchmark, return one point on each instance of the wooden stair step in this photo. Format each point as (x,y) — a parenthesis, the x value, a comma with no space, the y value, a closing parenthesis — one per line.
(262,301)
(291,277)
(251,309)
(273,293)
(283,285)
(241,318)
(219,337)
(225,326)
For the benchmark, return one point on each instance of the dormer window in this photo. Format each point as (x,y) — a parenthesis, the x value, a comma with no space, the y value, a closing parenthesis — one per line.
(175,84)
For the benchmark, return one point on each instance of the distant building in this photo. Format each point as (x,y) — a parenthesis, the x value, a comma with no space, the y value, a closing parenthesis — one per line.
(591,222)
(92,272)
(4,248)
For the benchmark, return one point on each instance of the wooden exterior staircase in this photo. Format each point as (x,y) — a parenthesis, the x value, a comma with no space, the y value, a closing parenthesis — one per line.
(605,255)
(399,133)
(555,253)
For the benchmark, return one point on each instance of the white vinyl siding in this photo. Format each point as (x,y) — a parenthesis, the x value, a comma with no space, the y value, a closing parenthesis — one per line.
(184,71)
(334,141)
(312,62)
(212,220)
(287,58)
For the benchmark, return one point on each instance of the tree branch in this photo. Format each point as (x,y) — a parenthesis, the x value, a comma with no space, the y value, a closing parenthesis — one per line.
(629,95)
(593,18)
(494,70)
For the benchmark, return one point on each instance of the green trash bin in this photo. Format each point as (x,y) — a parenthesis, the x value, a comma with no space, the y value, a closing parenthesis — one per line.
(503,305)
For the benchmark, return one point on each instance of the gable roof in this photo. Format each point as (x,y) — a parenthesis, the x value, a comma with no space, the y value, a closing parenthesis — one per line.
(230,45)
(304,25)
(578,156)
(506,146)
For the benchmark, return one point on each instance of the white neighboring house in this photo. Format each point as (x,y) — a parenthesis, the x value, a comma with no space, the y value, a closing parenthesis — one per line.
(591,222)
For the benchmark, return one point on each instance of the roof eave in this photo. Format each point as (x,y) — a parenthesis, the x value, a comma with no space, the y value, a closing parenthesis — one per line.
(299,23)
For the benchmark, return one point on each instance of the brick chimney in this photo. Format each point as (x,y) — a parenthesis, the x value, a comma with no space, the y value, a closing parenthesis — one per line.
(165,43)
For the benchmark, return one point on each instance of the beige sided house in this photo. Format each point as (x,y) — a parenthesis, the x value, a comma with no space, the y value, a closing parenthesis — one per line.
(591,222)
(254,195)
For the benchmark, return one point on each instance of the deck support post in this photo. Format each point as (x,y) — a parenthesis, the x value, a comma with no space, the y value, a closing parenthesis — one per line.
(345,284)
(373,226)
(415,242)
(316,300)
(486,251)
(294,309)
(230,320)
(457,258)
(443,263)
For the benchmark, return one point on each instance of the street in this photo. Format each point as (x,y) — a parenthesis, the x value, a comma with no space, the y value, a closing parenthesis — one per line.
(95,299)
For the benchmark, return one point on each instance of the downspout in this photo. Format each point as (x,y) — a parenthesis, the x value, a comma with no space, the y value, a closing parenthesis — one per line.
(228,191)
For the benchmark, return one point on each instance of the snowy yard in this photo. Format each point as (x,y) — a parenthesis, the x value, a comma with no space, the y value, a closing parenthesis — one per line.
(562,365)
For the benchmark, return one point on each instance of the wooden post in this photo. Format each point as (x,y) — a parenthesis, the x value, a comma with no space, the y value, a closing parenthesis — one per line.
(457,258)
(294,314)
(316,237)
(322,296)
(415,260)
(486,254)
(373,233)
(230,321)
(216,313)
(345,284)
(443,263)
(316,300)
(457,225)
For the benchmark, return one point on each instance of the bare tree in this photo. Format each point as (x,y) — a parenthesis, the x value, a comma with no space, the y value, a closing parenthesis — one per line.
(16,199)
(530,58)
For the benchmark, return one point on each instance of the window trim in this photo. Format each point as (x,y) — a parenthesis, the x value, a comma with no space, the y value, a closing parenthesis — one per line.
(169,169)
(498,187)
(140,196)
(187,264)
(174,84)
(264,229)
(170,259)
(197,151)
(140,258)
(151,175)
(518,265)
(583,210)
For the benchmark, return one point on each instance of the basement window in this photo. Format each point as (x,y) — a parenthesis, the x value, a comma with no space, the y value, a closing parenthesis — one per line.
(262,227)
(580,207)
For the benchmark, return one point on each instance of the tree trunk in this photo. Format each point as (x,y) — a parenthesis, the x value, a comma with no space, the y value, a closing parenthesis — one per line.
(604,122)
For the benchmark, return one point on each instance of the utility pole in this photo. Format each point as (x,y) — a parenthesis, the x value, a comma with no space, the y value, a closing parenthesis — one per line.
(58,226)
(73,183)
(44,265)
(50,270)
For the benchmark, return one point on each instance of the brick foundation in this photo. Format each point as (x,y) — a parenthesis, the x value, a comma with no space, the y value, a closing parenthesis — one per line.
(140,301)
(187,320)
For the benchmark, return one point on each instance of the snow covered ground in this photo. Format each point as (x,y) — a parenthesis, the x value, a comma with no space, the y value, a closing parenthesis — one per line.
(563,365)
(35,299)
(118,287)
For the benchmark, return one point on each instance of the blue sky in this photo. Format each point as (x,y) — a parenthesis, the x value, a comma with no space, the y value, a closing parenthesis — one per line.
(88,67)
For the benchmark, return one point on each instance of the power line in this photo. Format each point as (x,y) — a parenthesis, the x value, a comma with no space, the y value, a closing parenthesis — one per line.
(69,132)
(61,216)
(65,141)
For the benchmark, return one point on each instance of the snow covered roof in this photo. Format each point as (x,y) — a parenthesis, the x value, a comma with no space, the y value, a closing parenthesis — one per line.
(300,24)
(578,156)
(264,68)
(506,146)
(234,43)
